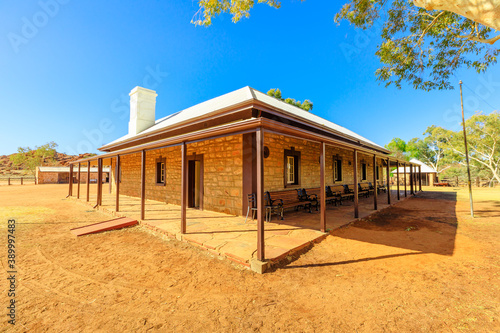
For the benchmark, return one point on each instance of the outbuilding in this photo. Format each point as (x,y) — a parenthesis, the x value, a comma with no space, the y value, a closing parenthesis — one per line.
(60,175)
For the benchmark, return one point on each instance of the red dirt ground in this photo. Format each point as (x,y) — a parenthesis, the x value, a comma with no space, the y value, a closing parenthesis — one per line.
(419,266)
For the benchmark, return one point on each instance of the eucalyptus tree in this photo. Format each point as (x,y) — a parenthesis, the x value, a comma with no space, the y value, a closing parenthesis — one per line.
(306,105)
(421,46)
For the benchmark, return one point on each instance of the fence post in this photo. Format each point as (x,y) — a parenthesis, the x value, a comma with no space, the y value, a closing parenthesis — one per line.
(21,180)
(8,181)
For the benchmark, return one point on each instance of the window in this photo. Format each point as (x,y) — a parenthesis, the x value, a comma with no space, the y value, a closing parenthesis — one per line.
(337,169)
(160,171)
(292,167)
(363,171)
(377,173)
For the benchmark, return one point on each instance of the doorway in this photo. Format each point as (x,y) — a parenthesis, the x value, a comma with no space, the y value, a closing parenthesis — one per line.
(195,182)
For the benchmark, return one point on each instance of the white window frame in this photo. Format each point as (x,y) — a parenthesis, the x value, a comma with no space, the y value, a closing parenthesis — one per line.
(290,172)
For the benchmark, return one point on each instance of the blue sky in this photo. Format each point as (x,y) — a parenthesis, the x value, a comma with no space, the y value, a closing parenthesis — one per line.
(67,66)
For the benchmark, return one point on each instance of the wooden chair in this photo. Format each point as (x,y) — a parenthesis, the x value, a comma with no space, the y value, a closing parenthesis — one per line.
(252,205)
(272,206)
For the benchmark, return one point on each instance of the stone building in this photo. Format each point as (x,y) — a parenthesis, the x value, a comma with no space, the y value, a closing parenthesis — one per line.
(60,175)
(212,155)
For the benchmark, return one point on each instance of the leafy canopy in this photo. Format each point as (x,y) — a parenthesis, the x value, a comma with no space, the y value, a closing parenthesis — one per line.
(483,139)
(276,93)
(420,47)
(29,159)
(444,149)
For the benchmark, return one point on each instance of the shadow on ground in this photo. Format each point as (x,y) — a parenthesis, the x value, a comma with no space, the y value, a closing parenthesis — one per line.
(426,223)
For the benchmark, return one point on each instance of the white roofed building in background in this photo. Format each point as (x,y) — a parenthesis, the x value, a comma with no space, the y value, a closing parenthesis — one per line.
(429,174)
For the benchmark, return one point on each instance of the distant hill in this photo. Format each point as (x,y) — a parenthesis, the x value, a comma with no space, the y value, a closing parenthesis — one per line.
(6,167)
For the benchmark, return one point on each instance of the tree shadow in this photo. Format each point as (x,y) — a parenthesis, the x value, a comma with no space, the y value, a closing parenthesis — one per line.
(426,223)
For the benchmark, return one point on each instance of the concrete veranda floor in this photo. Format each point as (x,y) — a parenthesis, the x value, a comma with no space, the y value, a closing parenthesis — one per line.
(230,236)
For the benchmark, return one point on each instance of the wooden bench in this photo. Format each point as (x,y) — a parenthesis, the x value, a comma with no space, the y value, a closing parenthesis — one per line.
(380,188)
(341,194)
(351,191)
(364,190)
(312,194)
(331,196)
(287,199)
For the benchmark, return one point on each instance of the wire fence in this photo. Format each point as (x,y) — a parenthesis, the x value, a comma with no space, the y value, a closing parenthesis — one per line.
(18,180)
(462,181)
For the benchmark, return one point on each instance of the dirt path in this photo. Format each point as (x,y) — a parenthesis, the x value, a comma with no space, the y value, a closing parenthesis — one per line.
(420,266)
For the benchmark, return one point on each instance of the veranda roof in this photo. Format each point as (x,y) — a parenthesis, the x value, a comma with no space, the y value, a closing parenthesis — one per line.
(425,168)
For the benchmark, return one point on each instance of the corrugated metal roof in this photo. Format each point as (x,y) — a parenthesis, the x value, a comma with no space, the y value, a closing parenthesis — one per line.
(425,168)
(240,96)
(66,169)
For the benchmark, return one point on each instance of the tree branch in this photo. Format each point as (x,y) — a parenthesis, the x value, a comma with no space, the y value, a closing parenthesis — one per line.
(429,27)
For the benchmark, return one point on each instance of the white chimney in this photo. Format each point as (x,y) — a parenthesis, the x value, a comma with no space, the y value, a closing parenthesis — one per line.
(142,110)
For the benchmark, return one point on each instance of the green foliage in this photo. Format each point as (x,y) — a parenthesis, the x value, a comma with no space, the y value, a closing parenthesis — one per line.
(398,149)
(237,8)
(444,150)
(430,149)
(29,159)
(423,48)
(420,47)
(276,93)
(483,139)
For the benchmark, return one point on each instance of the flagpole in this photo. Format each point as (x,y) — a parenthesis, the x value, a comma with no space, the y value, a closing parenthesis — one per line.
(466,153)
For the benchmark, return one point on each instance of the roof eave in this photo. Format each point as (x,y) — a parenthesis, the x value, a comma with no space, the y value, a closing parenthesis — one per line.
(247,104)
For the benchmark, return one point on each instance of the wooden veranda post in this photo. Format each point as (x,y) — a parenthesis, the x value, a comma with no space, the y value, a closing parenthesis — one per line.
(388,174)
(355,176)
(404,179)
(183,187)
(70,193)
(375,194)
(411,179)
(109,176)
(88,181)
(261,255)
(322,191)
(143,184)
(420,178)
(99,181)
(397,178)
(79,180)
(117,180)
(414,184)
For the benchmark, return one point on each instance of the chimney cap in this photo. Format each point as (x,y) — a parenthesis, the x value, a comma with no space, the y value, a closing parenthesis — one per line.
(142,89)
